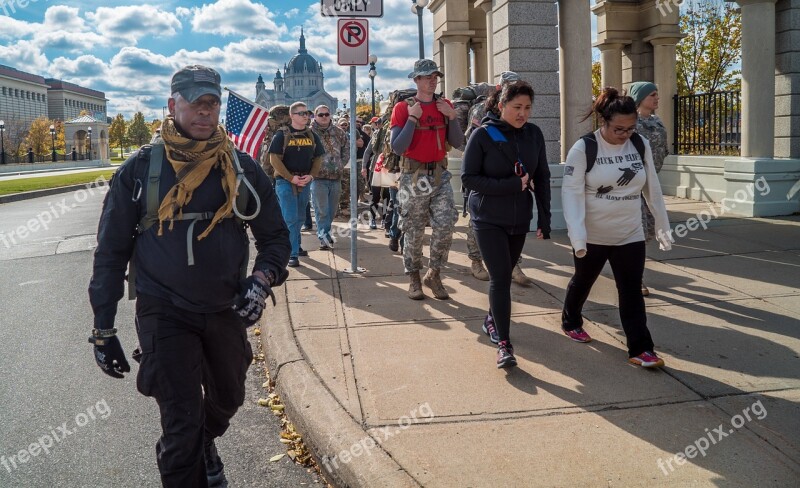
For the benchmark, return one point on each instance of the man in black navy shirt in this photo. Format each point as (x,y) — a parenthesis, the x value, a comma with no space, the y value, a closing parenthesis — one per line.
(173,212)
(296,153)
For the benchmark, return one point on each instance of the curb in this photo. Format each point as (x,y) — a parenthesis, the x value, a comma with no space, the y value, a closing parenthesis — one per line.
(27,195)
(325,425)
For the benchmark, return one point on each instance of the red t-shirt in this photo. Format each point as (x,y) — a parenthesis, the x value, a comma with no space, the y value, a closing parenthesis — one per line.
(423,146)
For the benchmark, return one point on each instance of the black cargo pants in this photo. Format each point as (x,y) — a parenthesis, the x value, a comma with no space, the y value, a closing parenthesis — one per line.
(195,366)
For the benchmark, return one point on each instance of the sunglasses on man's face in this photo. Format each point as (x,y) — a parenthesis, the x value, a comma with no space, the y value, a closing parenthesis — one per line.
(302,114)
(323,114)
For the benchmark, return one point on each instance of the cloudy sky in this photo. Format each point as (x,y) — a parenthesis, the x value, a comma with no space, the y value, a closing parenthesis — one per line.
(130,51)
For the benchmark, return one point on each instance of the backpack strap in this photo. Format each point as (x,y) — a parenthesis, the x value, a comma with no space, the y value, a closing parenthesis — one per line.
(590,141)
(153,183)
(495,134)
(638,143)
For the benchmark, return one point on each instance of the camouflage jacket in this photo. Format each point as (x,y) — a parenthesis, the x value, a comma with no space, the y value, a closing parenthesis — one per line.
(337,150)
(653,130)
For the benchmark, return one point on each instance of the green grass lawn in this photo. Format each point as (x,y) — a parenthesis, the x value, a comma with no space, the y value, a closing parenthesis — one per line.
(43,182)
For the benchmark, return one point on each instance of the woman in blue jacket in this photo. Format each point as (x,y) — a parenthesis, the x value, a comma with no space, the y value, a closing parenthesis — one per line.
(504,162)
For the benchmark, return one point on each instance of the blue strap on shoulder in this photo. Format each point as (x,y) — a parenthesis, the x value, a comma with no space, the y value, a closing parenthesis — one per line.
(495,134)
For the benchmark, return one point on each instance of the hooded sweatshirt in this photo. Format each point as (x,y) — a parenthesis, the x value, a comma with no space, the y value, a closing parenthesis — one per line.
(496,197)
(337,150)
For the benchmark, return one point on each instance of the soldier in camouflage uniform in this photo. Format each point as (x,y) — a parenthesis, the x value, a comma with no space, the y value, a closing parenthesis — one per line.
(421,128)
(649,126)
(476,114)
(327,185)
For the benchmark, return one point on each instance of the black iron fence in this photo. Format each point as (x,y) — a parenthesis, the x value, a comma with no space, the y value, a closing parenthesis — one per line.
(708,123)
(31,157)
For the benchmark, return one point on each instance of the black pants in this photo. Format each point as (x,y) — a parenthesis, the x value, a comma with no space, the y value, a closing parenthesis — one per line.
(500,251)
(379,194)
(195,366)
(627,263)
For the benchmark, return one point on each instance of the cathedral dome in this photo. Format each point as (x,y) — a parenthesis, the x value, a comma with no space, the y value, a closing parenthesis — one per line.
(302,61)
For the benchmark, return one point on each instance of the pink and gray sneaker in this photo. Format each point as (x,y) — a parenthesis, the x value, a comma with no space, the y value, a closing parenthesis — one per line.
(647,359)
(490,330)
(578,335)
(505,355)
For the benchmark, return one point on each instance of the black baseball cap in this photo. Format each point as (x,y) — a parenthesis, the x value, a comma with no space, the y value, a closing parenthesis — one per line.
(192,82)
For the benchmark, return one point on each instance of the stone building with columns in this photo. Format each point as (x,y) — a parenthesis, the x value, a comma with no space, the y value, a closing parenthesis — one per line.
(549,44)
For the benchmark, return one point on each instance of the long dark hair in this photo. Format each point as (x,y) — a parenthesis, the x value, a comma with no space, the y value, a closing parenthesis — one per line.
(611,103)
(509,92)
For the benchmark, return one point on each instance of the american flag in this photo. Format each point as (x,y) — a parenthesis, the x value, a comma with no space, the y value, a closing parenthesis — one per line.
(245,123)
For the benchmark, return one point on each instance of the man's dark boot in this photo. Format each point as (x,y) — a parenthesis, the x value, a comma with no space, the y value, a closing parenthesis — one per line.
(215,470)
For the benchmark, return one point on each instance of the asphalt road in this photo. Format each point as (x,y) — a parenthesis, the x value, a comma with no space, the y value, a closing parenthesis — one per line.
(77,426)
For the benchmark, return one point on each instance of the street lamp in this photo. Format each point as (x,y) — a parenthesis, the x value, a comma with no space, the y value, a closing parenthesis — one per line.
(2,146)
(372,73)
(416,8)
(53,137)
(89,146)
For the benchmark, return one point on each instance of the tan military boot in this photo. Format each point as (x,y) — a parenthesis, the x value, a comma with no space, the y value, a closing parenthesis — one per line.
(434,282)
(415,287)
(519,277)
(478,271)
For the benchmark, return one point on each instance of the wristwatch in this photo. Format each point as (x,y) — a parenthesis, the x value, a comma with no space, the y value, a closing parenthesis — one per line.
(100,337)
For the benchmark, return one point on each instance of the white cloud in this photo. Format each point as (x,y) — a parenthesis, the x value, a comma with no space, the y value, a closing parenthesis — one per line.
(15,29)
(61,17)
(85,67)
(69,41)
(241,18)
(25,56)
(128,24)
(290,14)
(183,13)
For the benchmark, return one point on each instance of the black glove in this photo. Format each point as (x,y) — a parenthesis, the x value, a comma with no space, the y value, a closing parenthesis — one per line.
(251,300)
(110,357)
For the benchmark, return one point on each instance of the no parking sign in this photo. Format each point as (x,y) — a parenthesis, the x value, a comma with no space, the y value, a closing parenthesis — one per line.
(353,42)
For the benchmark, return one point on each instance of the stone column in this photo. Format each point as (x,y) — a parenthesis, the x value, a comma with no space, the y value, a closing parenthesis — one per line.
(456,66)
(611,64)
(665,78)
(575,62)
(756,184)
(481,60)
(526,41)
(787,79)
(486,6)
(758,78)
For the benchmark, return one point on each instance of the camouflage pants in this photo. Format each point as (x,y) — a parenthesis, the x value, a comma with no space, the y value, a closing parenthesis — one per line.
(344,198)
(424,202)
(648,223)
(473,251)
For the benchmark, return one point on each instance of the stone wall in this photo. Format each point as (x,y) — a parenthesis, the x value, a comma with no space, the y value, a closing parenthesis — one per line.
(787,79)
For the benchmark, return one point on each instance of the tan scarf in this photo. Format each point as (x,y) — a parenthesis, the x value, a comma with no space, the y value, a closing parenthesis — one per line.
(192,161)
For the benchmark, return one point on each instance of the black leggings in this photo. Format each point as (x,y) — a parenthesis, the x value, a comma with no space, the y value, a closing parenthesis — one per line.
(378,194)
(500,251)
(627,263)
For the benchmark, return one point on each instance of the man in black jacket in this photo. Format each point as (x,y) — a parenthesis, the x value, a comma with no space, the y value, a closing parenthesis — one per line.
(186,240)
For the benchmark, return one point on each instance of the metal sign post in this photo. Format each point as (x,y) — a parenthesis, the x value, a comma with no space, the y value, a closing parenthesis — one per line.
(353,50)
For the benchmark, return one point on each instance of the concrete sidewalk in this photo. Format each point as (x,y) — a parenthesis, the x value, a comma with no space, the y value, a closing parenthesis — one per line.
(392,392)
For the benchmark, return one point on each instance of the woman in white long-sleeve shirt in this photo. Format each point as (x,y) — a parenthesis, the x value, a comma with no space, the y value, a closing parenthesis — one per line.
(604,221)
